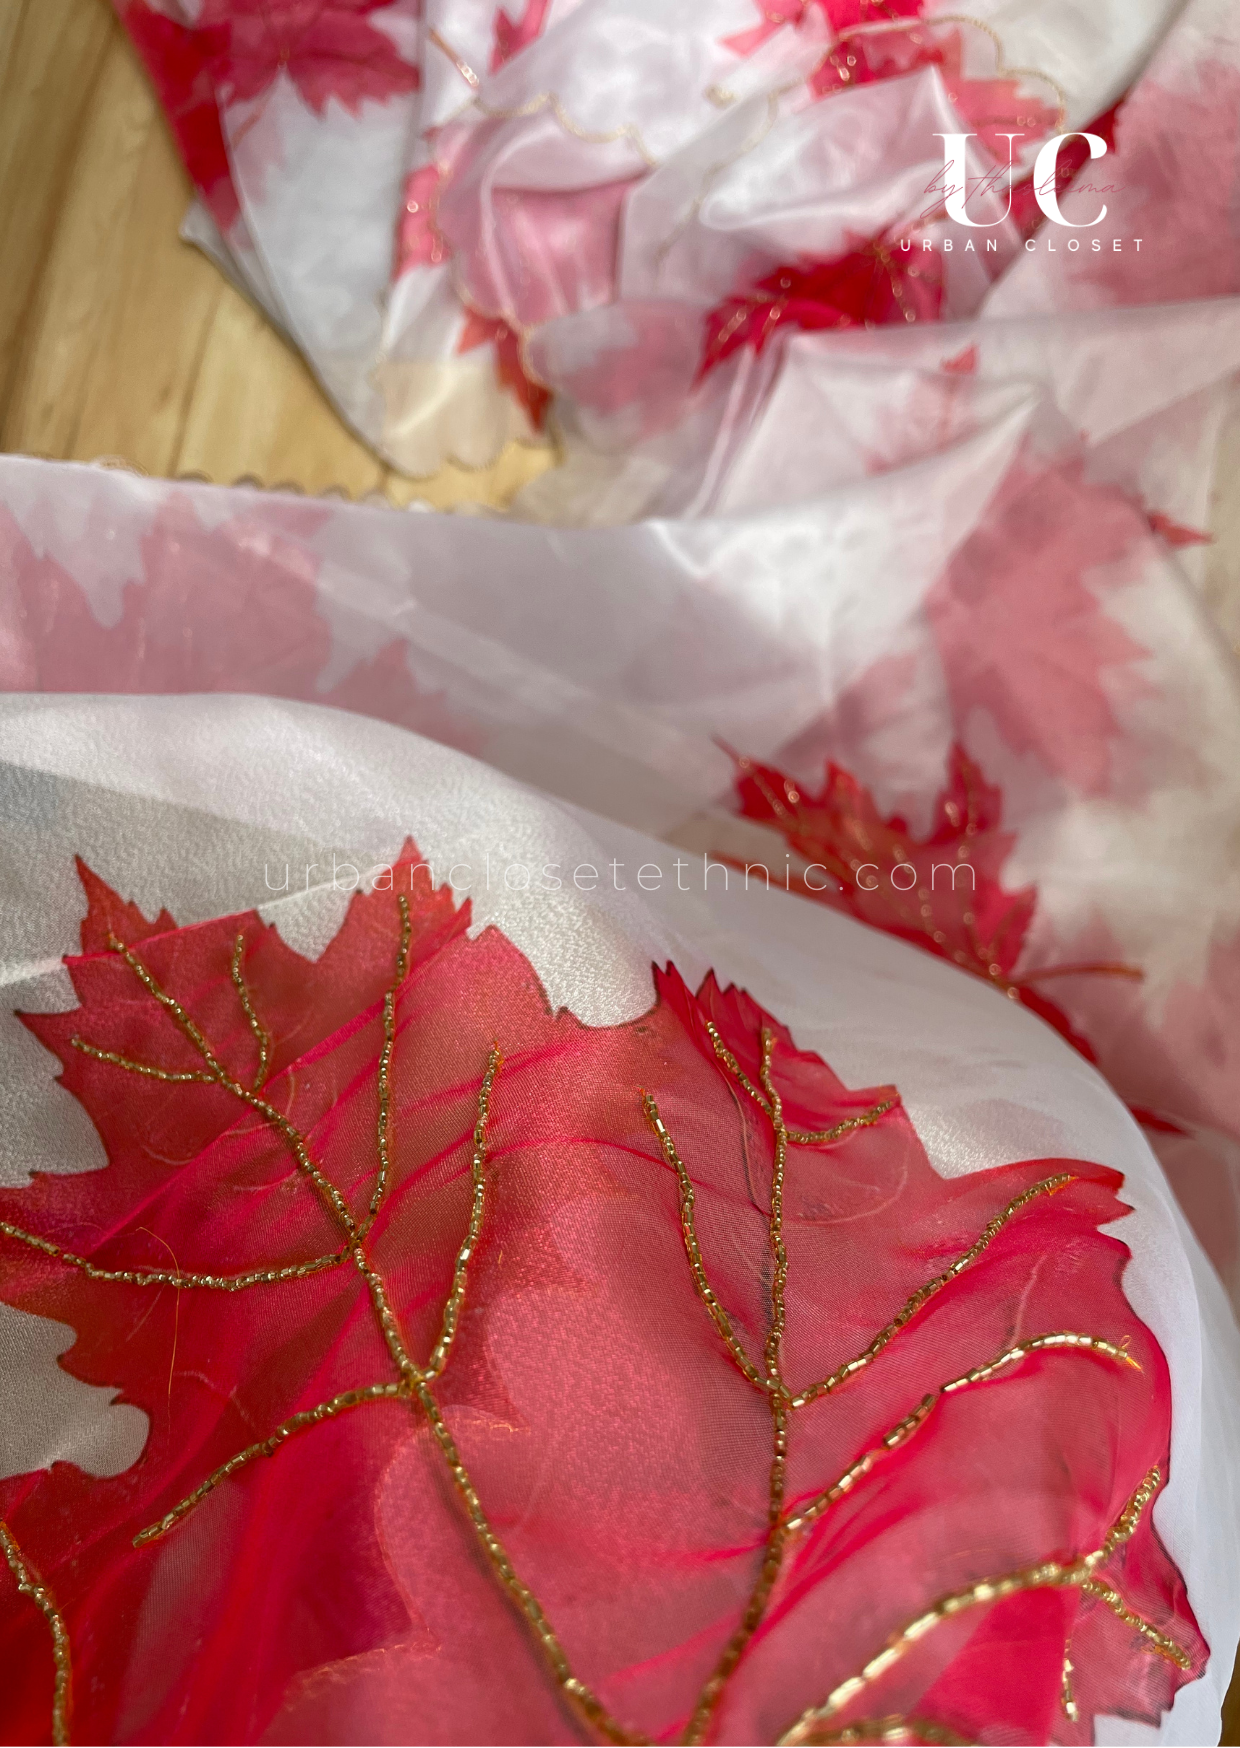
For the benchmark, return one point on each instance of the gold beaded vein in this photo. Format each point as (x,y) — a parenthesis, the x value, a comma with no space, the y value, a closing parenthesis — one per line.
(1049,1574)
(783,1523)
(30,1584)
(414,1382)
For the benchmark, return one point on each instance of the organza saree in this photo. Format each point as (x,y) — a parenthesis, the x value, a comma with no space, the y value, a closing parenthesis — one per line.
(646,1138)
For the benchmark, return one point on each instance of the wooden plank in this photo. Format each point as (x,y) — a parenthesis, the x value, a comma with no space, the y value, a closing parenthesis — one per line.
(119,341)
(255,411)
(52,51)
(154,297)
(69,341)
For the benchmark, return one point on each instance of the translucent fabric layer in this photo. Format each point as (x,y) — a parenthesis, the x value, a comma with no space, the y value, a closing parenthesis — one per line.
(1005,1428)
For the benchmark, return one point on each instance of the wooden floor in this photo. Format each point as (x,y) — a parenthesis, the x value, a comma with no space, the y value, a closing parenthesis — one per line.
(118,341)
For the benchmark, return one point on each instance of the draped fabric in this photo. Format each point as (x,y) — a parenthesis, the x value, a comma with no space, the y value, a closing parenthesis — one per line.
(623,1116)
(1008,1379)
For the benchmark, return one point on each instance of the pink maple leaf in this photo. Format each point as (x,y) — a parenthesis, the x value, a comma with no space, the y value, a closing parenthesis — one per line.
(1192,246)
(1177,1065)
(1021,631)
(1182,1065)
(232,609)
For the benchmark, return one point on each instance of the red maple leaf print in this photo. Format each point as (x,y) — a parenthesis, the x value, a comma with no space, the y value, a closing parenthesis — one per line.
(943,892)
(510,370)
(962,363)
(234,612)
(514,34)
(181,63)
(873,283)
(485,1355)
(840,14)
(328,48)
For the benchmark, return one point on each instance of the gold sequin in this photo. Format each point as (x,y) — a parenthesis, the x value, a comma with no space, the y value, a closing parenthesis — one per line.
(463,68)
(30,1584)
(1067,1695)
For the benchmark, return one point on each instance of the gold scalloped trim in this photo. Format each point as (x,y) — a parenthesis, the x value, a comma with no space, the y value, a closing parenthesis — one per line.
(376,498)
(875,27)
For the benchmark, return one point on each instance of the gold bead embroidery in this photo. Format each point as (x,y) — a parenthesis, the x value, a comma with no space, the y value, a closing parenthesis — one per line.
(331,1196)
(798,1137)
(1154,1640)
(693,1251)
(256,1026)
(30,1584)
(266,1447)
(170,1277)
(460,1274)
(415,1382)
(147,1068)
(913,1422)
(899,1731)
(1055,1574)
(585,1701)
(1067,1698)
(385,1063)
(1047,1187)
(777,1395)
(781,1524)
